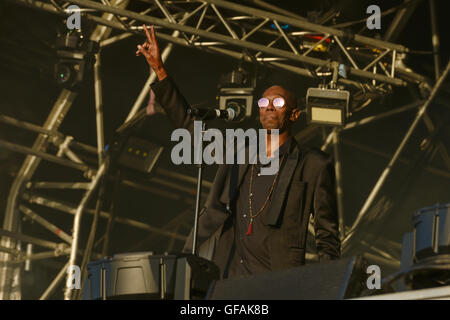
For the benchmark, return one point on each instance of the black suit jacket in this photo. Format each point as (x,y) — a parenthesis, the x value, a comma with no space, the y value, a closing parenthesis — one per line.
(306,185)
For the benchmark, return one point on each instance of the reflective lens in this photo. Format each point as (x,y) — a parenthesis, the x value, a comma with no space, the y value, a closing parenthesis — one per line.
(263,103)
(277,102)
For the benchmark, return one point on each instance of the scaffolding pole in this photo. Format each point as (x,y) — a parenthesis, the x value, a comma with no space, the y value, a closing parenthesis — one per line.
(396,155)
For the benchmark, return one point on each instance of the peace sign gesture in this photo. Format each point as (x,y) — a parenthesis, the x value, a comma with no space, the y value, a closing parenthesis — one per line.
(150,50)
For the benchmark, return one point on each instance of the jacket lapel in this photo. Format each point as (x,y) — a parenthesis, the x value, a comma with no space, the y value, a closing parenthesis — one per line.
(232,183)
(281,188)
(242,170)
(235,180)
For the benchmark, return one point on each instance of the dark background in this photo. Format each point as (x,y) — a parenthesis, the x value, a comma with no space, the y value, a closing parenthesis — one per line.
(28,91)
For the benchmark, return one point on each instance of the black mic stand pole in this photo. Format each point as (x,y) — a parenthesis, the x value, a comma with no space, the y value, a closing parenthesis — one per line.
(184,271)
(199,186)
(198,193)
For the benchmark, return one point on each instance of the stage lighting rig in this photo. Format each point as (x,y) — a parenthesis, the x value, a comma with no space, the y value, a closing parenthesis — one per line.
(75,56)
(236,90)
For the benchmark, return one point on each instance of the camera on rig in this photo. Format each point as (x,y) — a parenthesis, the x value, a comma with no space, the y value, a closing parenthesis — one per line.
(236,90)
(75,57)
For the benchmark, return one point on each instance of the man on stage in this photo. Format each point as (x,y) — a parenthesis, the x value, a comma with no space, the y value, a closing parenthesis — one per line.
(254,223)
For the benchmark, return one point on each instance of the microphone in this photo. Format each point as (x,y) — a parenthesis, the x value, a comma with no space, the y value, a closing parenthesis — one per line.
(233,112)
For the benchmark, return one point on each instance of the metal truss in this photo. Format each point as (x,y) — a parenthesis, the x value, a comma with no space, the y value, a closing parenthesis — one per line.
(258,36)
(25,190)
(275,38)
(266,37)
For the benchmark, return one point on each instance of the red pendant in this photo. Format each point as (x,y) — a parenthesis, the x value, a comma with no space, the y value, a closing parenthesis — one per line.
(249,231)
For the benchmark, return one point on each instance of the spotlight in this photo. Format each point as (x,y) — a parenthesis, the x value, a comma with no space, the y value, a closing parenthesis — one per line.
(69,72)
(327,106)
(64,73)
(75,56)
(236,92)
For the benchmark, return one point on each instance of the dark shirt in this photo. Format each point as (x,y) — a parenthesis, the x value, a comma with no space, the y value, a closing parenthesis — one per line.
(251,254)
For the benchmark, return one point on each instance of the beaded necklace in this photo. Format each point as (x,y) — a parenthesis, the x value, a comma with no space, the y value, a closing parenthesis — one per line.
(252,217)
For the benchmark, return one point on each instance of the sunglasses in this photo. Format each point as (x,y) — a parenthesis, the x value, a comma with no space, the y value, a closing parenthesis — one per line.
(277,102)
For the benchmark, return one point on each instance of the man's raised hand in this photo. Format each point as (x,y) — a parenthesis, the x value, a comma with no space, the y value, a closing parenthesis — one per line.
(150,50)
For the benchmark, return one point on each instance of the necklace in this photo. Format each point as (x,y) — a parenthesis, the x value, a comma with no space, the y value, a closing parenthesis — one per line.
(252,217)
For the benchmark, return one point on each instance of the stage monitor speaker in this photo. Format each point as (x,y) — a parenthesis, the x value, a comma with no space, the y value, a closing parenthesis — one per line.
(331,280)
(143,275)
(432,232)
(425,259)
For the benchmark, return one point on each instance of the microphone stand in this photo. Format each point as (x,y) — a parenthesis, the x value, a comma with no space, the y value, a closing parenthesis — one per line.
(184,272)
(199,190)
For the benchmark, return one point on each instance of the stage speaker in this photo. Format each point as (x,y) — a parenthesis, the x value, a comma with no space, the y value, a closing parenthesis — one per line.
(143,275)
(425,259)
(331,280)
(432,232)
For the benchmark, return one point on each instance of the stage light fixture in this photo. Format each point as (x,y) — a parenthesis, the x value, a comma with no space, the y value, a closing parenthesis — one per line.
(327,106)
(75,55)
(236,92)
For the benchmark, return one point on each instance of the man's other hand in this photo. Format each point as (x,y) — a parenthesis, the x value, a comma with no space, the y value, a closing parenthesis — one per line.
(150,50)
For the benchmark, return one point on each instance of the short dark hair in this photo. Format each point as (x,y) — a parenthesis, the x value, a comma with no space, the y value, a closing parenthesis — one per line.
(290,96)
(281,80)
